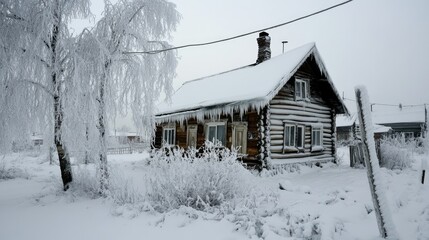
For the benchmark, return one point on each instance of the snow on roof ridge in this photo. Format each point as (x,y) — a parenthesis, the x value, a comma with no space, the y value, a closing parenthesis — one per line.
(216,74)
(251,86)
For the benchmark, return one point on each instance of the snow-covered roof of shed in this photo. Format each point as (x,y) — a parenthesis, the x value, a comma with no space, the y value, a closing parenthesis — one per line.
(381,129)
(345,120)
(408,114)
(239,89)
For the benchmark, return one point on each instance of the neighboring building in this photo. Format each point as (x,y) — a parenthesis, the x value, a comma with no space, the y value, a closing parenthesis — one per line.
(278,111)
(381,131)
(123,138)
(36,140)
(347,127)
(410,121)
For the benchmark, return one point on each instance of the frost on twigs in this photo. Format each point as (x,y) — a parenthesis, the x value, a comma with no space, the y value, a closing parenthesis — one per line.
(200,179)
(394,153)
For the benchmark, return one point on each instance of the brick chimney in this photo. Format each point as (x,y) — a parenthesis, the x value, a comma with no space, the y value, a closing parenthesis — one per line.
(264,50)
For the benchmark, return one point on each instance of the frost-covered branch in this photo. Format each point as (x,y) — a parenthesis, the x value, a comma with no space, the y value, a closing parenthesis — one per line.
(37,84)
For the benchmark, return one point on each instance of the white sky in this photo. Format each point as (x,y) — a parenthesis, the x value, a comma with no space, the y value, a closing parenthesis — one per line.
(381,44)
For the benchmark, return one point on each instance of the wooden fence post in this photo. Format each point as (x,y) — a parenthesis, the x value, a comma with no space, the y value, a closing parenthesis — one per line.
(370,159)
(424,167)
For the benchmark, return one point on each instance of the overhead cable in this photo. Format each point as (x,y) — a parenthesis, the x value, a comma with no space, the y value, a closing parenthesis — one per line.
(241,35)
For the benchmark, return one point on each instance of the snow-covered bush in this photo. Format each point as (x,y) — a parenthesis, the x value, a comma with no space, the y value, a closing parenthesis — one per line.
(85,181)
(199,178)
(395,153)
(7,172)
(123,191)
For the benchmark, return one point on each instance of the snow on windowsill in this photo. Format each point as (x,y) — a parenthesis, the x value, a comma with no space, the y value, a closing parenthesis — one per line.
(317,148)
(290,149)
(303,100)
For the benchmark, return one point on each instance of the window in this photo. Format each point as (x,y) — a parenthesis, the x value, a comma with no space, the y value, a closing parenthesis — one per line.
(169,135)
(216,131)
(289,135)
(316,137)
(294,136)
(408,135)
(239,136)
(300,136)
(300,89)
(192,136)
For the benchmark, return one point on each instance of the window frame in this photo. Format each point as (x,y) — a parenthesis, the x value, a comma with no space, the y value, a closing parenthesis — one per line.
(408,135)
(215,124)
(286,126)
(191,128)
(165,141)
(295,144)
(304,95)
(314,145)
(302,136)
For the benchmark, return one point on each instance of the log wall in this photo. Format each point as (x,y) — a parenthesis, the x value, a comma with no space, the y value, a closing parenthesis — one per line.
(310,112)
(253,137)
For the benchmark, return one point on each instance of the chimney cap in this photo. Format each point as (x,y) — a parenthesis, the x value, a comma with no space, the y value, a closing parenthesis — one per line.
(263,34)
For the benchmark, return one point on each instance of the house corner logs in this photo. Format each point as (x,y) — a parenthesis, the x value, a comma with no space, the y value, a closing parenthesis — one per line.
(264,141)
(334,135)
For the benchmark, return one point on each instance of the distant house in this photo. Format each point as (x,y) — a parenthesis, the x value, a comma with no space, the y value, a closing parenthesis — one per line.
(410,121)
(36,140)
(347,127)
(280,110)
(123,138)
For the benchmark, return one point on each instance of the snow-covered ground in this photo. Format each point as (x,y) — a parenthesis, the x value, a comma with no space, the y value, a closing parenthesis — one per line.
(328,202)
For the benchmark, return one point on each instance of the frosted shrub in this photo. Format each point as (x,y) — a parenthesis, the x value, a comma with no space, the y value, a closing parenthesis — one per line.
(123,190)
(7,172)
(196,178)
(395,153)
(85,182)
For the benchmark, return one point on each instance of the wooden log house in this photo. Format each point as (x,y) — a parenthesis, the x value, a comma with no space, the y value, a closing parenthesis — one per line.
(280,110)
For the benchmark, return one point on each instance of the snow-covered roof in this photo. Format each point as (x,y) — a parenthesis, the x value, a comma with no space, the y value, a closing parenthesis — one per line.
(346,120)
(406,114)
(381,129)
(122,134)
(239,89)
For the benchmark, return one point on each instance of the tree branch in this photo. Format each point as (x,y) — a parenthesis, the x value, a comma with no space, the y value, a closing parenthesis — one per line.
(38,57)
(46,89)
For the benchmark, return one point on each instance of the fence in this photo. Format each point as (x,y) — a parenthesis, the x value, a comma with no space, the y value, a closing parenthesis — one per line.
(119,150)
(356,153)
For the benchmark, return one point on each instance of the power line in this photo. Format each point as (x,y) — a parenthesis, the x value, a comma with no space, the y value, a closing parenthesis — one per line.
(241,35)
(389,104)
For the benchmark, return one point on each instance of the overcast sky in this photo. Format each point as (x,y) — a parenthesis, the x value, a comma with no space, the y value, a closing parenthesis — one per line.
(381,44)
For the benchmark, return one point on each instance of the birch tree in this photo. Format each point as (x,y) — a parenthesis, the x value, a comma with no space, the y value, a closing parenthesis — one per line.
(68,83)
(128,80)
(36,51)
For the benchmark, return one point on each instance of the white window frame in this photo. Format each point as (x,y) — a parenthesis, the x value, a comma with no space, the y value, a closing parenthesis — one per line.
(303,93)
(300,145)
(236,126)
(166,141)
(317,146)
(192,128)
(294,145)
(215,124)
(408,135)
(290,138)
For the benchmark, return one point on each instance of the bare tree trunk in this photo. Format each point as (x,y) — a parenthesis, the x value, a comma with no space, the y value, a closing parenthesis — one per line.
(63,157)
(103,170)
(87,142)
